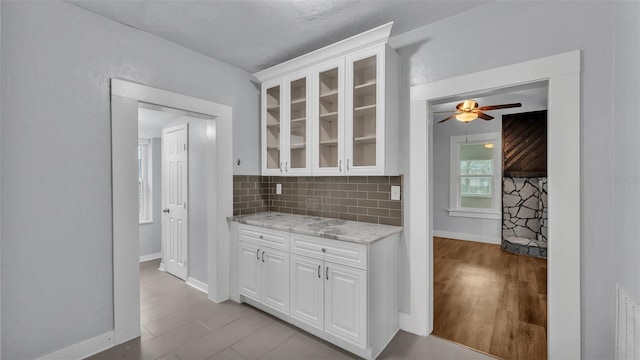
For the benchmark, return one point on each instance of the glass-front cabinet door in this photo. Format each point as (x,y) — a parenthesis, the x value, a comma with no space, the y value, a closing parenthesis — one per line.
(272,128)
(328,158)
(298,161)
(365,112)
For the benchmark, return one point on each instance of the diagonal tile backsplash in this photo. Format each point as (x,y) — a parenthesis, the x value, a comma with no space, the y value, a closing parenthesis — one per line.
(357,198)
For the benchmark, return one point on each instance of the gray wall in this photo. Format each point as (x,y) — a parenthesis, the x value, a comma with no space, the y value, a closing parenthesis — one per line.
(626,181)
(150,234)
(57,60)
(504,33)
(441,154)
(197,202)
(441,163)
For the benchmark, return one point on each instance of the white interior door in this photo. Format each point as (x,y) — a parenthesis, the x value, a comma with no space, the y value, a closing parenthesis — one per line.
(175,194)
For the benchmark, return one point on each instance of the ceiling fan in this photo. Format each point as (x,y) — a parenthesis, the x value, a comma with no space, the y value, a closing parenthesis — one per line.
(468,111)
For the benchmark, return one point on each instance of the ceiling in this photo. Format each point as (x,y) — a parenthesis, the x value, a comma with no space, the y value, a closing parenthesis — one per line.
(254,35)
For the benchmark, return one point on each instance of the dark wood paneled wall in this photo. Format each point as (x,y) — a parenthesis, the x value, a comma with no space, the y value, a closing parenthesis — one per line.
(524,144)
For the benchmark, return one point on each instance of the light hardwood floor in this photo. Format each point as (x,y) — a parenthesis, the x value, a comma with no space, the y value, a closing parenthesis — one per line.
(489,299)
(178,322)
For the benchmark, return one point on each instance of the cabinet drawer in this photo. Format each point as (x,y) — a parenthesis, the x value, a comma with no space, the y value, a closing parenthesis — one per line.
(265,237)
(340,252)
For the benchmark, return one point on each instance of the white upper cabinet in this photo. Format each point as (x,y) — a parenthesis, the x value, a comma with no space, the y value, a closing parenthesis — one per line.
(273,114)
(328,118)
(333,111)
(297,157)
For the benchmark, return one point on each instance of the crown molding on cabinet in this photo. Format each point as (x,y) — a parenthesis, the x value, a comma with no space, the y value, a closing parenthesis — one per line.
(368,38)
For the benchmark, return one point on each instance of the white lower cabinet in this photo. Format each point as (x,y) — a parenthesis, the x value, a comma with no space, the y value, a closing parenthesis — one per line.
(263,275)
(345,303)
(249,270)
(327,287)
(275,280)
(307,290)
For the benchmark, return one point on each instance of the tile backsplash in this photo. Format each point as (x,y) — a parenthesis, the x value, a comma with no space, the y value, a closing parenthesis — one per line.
(357,198)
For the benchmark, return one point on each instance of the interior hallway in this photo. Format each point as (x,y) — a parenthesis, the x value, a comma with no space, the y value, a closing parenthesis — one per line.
(179,322)
(490,299)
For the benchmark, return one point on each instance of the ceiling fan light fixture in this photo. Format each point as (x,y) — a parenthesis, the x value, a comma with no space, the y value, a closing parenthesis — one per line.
(488,145)
(466,117)
(469,105)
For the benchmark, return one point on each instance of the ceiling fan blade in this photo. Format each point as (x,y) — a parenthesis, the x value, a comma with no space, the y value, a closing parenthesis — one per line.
(444,112)
(484,116)
(448,118)
(496,107)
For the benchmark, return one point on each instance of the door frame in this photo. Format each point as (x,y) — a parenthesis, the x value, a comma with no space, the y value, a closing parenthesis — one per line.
(125,96)
(562,73)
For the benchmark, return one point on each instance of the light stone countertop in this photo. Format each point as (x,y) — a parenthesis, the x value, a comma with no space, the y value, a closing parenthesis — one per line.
(345,230)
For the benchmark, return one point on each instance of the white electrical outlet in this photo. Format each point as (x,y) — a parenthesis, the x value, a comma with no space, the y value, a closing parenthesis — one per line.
(278,189)
(395,192)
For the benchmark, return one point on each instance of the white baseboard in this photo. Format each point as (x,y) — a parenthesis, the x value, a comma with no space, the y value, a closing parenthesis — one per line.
(148,257)
(161,267)
(407,324)
(83,349)
(468,237)
(198,285)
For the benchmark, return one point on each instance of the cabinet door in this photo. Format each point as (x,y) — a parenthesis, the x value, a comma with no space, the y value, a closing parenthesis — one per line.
(273,115)
(346,303)
(365,125)
(328,118)
(297,161)
(307,290)
(249,270)
(275,279)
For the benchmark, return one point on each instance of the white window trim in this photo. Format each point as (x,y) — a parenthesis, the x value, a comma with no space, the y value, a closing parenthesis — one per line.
(147,171)
(455,209)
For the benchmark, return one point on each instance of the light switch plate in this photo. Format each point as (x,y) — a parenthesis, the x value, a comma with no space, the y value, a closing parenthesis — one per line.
(278,188)
(395,192)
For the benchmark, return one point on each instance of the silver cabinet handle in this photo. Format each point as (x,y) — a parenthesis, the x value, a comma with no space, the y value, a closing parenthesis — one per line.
(340,165)
(286,166)
(166,211)
(347,164)
(319,276)
(281,166)
(258,254)
(327,272)
(263,256)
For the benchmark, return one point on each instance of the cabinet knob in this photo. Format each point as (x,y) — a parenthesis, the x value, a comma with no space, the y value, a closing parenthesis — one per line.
(324,250)
(260,236)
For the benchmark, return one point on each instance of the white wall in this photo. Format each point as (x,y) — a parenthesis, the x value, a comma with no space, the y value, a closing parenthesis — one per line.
(503,33)
(532,100)
(626,179)
(57,60)
(150,233)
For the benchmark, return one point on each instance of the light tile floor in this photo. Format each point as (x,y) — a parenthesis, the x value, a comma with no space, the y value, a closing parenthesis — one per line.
(179,322)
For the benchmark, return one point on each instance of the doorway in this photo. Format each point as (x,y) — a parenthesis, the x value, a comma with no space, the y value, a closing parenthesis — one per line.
(484,296)
(563,75)
(125,99)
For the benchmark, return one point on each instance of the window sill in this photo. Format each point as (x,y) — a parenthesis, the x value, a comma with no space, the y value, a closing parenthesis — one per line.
(143,222)
(478,214)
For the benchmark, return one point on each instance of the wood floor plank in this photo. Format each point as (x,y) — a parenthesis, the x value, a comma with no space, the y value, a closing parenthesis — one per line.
(489,299)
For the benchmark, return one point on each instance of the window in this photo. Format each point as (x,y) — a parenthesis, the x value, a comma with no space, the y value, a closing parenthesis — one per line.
(475,180)
(145,196)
